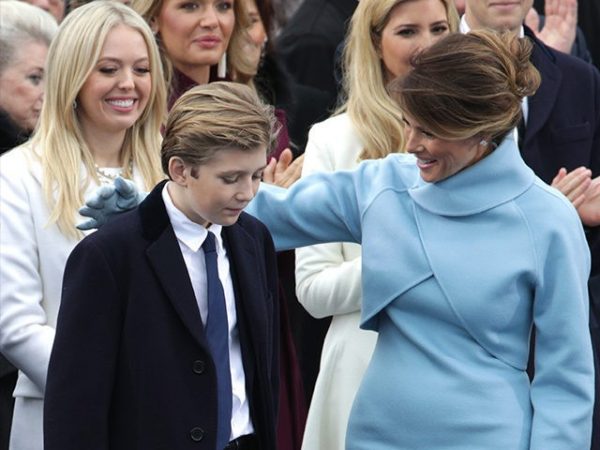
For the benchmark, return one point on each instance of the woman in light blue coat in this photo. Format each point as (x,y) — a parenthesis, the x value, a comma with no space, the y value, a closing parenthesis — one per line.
(465,250)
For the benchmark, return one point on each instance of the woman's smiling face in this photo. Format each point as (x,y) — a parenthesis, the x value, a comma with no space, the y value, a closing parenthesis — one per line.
(116,93)
(438,159)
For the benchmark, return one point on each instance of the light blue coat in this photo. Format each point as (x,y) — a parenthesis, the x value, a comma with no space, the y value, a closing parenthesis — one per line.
(455,274)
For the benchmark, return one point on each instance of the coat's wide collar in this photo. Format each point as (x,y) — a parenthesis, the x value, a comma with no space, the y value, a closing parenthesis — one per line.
(496,179)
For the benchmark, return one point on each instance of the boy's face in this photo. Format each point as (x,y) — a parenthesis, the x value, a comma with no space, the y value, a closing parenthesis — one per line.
(218,190)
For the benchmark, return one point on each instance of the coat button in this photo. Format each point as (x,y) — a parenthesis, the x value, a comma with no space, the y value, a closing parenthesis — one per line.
(199,366)
(197,434)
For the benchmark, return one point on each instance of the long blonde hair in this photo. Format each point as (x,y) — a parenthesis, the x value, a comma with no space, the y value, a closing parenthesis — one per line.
(374,114)
(59,140)
(238,61)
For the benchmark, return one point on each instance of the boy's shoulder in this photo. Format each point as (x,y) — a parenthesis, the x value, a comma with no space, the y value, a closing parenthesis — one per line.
(126,232)
(118,236)
(250,222)
(254,227)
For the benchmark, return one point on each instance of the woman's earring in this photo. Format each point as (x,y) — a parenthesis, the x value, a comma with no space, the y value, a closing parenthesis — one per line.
(483,143)
(222,67)
(74,104)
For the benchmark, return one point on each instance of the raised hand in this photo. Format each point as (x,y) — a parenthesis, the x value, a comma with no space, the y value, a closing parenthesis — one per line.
(560,28)
(284,172)
(532,20)
(108,201)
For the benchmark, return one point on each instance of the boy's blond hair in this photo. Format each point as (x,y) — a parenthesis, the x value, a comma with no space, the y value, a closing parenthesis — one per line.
(214,117)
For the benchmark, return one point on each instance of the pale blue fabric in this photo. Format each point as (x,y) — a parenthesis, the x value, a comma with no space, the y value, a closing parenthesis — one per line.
(454,276)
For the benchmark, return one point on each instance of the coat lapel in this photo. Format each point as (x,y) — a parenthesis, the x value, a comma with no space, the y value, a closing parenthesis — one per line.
(166,260)
(542,102)
(250,289)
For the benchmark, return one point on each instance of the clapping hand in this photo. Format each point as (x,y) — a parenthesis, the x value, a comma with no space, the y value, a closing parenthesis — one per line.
(589,210)
(108,201)
(285,172)
(573,184)
(583,191)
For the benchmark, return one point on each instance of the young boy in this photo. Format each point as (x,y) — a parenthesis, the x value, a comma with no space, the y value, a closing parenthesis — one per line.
(153,349)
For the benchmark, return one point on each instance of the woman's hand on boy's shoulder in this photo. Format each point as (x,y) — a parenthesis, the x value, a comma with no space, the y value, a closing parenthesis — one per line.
(108,201)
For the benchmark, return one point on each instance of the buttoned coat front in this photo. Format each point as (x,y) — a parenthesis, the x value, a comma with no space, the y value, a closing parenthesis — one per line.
(130,368)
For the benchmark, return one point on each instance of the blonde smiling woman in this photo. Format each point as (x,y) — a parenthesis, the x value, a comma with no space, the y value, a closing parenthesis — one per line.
(101,117)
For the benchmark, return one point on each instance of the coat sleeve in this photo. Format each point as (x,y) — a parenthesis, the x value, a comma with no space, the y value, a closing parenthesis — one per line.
(273,287)
(327,281)
(562,391)
(317,209)
(25,336)
(84,356)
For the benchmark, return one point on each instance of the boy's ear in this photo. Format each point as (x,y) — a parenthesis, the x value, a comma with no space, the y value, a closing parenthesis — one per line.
(177,171)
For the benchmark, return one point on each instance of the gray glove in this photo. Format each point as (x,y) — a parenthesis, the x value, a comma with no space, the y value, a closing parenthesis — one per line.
(108,201)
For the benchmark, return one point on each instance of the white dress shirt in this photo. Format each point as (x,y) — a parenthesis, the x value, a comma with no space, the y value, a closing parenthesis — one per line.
(190,237)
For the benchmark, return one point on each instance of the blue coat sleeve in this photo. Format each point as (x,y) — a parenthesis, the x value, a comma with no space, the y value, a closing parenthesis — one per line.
(316,209)
(562,391)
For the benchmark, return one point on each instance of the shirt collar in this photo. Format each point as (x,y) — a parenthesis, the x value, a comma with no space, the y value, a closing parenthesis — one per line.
(498,178)
(465,28)
(189,233)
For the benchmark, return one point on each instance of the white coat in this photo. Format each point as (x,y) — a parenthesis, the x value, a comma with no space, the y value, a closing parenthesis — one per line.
(328,283)
(33,256)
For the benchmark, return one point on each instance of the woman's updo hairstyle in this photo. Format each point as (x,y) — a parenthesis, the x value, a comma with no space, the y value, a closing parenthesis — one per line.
(469,85)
